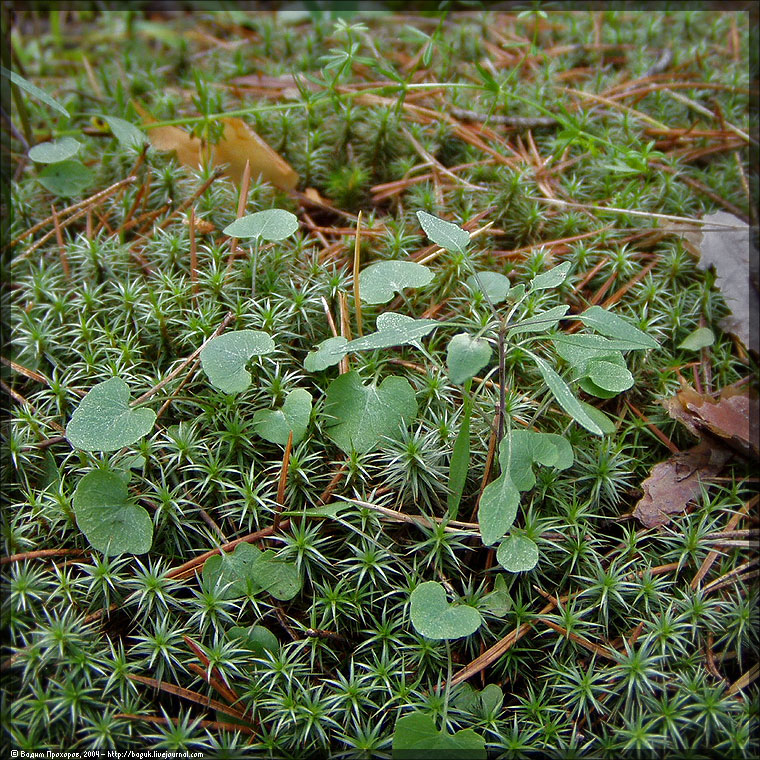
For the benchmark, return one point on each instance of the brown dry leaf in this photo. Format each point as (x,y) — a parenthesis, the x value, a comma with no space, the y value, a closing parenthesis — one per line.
(676,482)
(735,259)
(732,420)
(238,144)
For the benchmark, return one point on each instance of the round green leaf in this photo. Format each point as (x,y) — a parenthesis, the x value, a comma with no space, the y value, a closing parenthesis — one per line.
(224,358)
(416,737)
(258,639)
(104,421)
(378,282)
(494,285)
(111,521)
(275,425)
(360,416)
(52,152)
(66,178)
(702,337)
(466,356)
(272,224)
(128,135)
(433,617)
(517,554)
(445,234)
(552,278)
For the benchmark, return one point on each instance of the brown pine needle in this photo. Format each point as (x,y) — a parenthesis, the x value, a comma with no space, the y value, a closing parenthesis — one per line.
(357,255)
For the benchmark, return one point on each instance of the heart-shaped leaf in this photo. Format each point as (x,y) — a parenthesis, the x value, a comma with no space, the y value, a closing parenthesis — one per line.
(104,421)
(493,284)
(552,278)
(393,330)
(52,152)
(66,178)
(517,554)
(520,450)
(497,508)
(360,416)
(275,425)
(445,234)
(247,570)
(612,326)
(485,702)
(224,358)
(466,356)
(378,282)
(258,639)
(433,617)
(416,737)
(111,521)
(128,135)
(272,224)
(328,352)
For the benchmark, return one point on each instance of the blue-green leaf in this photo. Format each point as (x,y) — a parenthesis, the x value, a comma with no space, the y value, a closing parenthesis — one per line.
(612,326)
(379,282)
(33,90)
(445,234)
(328,352)
(52,152)
(433,617)
(66,178)
(517,554)
(466,356)
(493,284)
(497,508)
(416,738)
(128,135)
(272,224)
(276,425)
(224,358)
(702,337)
(552,278)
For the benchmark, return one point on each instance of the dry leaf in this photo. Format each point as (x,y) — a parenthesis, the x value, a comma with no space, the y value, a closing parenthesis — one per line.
(732,420)
(735,259)
(678,481)
(238,144)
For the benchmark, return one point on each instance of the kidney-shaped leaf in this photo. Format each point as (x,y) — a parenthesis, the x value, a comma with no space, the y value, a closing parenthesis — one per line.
(520,450)
(378,282)
(275,425)
(517,554)
(52,152)
(104,421)
(272,224)
(416,736)
(466,356)
(360,416)
(258,639)
(111,521)
(445,234)
(224,358)
(433,617)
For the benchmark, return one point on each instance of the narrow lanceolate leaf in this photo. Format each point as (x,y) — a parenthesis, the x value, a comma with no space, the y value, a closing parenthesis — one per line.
(578,349)
(565,397)
(517,554)
(361,416)
(328,352)
(445,234)
(379,282)
(110,520)
(34,91)
(224,358)
(466,356)
(542,322)
(612,326)
(460,463)
(104,421)
(498,508)
(552,278)
(271,224)
(393,330)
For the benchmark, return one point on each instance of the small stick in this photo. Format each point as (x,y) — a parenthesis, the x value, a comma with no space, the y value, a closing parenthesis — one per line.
(242,201)
(745,680)
(212,724)
(31,374)
(731,576)
(185,381)
(40,553)
(16,396)
(330,319)
(61,244)
(357,300)
(282,483)
(345,328)
(194,255)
